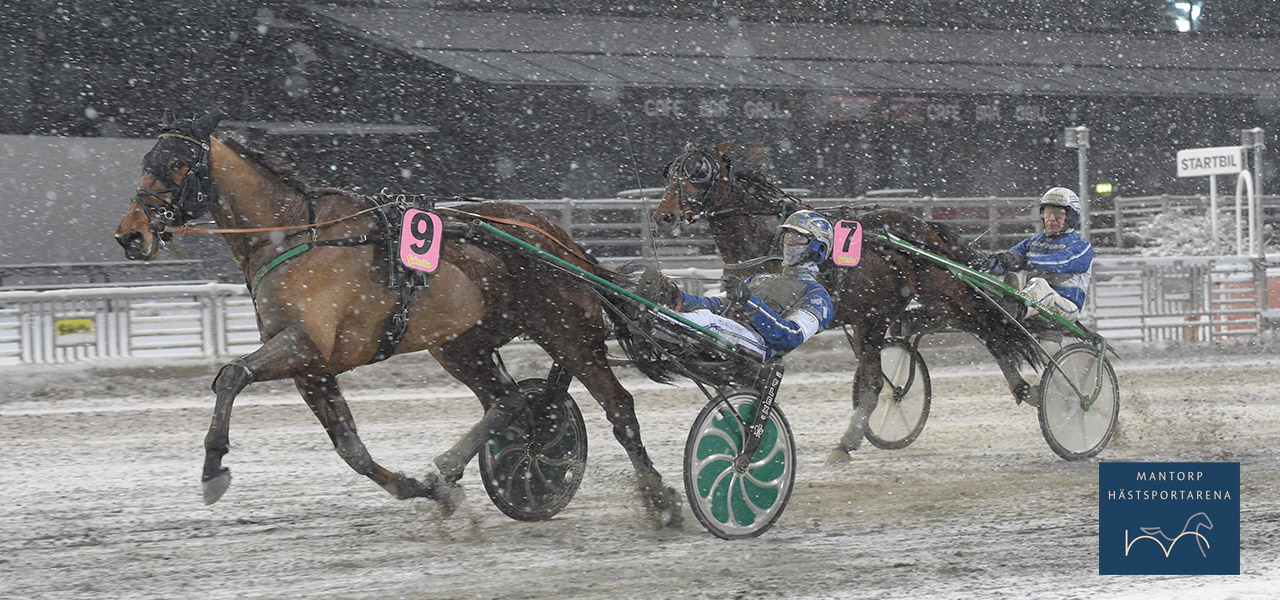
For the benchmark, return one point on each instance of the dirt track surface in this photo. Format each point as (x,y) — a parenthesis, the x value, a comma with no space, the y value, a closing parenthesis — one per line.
(101,497)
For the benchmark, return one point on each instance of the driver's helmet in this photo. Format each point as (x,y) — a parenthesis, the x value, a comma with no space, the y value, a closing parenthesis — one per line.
(813,227)
(1065,198)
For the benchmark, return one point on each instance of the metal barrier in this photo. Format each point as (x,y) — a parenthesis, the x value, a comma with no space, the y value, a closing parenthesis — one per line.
(162,321)
(28,276)
(54,326)
(1182,299)
(615,229)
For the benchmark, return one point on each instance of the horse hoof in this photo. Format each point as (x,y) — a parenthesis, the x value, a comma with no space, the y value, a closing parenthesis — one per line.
(665,507)
(215,487)
(670,516)
(839,456)
(450,497)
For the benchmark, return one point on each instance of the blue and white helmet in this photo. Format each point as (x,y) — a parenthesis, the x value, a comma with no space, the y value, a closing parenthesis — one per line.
(815,227)
(1065,198)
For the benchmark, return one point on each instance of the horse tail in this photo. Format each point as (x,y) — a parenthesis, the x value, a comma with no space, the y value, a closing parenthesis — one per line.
(524,222)
(960,251)
(622,314)
(933,236)
(1002,337)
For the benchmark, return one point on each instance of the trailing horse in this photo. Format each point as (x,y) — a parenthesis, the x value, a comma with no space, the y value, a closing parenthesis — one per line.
(320,281)
(744,208)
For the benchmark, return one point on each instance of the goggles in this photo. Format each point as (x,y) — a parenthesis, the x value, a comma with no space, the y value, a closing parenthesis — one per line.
(795,238)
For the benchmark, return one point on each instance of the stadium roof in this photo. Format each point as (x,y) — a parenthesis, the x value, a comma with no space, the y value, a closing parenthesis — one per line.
(522,49)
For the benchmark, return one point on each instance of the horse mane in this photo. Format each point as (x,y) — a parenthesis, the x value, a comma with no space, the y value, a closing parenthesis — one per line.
(753,173)
(280,163)
(759,182)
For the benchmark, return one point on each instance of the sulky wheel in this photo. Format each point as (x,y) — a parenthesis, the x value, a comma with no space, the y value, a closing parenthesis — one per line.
(532,469)
(730,504)
(903,405)
(1074,428)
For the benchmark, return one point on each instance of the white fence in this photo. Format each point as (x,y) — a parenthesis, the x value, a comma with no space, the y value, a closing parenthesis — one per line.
(66,325)
(1184,299)
(1176,299)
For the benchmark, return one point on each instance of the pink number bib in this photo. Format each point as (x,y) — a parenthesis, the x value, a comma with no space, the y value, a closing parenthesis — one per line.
(420,234)
(848,250)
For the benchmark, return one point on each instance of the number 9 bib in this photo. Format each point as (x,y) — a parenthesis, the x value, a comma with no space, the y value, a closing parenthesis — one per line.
(420,234)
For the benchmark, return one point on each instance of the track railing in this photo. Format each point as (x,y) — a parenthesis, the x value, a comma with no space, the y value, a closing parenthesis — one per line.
(163,321)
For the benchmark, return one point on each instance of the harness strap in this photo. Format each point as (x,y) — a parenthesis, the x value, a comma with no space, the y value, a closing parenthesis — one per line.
(293,252)
(275,262)
(182,137)
(396,326)
(189,229)
(570,249)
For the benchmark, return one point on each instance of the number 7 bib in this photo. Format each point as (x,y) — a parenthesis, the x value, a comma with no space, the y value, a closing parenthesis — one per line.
(848,242)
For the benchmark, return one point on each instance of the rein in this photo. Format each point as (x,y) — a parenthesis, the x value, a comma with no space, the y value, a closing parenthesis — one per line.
(574,251)
(190,229)
(571,250)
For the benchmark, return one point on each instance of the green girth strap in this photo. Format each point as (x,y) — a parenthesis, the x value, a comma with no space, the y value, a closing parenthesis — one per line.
(275,262)
(359,240)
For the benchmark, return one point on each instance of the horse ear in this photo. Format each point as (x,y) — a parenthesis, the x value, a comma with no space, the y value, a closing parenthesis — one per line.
(723,147)
(205,125)
(688,146)
(757,157)
(166,121)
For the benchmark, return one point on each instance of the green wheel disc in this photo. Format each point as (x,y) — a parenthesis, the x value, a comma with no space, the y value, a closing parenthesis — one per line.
(729,504)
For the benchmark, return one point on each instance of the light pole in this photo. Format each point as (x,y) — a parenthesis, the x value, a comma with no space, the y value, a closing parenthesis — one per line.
(1078,138)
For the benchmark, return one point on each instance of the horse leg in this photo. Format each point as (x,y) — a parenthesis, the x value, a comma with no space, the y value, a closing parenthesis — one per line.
(284,355)
(663,502)
(589,363)
(867,383)
(497,392)
(322,395)
(1022,391)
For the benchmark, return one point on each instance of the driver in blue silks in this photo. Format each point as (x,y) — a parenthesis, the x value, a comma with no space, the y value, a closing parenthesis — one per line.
(1060,259)
(771,314)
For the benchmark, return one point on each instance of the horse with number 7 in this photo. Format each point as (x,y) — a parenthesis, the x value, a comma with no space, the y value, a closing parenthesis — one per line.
(872,291)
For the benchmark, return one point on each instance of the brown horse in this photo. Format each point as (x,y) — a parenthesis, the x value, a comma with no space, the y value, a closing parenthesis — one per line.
(743,210)
(323,311)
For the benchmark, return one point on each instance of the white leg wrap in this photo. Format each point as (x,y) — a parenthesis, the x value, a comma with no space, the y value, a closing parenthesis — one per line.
(1040,292)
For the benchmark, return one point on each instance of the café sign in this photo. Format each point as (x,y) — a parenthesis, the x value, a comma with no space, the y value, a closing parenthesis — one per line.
(715,107)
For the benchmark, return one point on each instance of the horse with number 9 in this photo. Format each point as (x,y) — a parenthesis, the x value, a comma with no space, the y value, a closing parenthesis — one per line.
(323,311)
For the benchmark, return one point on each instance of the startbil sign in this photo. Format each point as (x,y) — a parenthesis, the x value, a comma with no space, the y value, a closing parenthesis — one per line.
(1198,162)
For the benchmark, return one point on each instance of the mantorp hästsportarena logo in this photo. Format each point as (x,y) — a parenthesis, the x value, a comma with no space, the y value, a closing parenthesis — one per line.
(1168,518)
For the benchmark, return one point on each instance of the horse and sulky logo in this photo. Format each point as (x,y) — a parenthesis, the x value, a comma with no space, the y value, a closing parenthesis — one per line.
(1168,518)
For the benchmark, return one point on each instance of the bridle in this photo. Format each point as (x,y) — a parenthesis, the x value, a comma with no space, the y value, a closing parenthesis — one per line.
(707,174)
(710,185)
(185,201)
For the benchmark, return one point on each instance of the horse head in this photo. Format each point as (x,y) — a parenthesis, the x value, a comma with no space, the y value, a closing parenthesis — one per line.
(695,182)
(176,185)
